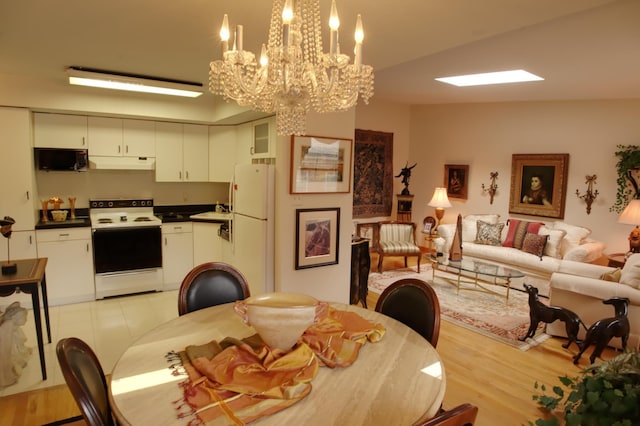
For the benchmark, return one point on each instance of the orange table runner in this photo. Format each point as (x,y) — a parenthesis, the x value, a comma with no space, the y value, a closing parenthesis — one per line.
(234,382)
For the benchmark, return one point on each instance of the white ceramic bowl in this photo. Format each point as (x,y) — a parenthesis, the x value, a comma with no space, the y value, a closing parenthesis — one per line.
(279,318)
(59,215)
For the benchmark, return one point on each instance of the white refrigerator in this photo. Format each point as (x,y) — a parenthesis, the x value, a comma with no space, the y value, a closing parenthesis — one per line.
(252,199)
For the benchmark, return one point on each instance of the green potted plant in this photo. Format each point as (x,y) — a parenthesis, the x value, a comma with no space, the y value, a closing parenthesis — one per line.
(605,394)
(628,163)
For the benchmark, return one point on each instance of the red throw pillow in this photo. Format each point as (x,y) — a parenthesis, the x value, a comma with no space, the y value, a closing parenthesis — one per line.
(518,229)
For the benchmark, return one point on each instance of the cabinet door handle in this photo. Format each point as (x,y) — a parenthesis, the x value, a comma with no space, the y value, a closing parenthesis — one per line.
(30,240)
(83,141)
(186,174)
(251,151)
(119,149)
(63,235)
(28,196)
(87,247)
(126,149)
(165,241)
(180,175)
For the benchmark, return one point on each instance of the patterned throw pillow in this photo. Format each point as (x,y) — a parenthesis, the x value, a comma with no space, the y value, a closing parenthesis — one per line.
(518,229)
(534,244)
(488,233)
(613,276)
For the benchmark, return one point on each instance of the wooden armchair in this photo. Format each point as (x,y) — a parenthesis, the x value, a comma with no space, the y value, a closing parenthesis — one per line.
(397,239)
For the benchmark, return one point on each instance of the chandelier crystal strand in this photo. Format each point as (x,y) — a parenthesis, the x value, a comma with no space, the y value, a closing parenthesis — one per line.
(295,76)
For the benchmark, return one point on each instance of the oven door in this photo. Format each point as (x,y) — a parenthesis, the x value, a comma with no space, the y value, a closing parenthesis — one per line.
(127,249)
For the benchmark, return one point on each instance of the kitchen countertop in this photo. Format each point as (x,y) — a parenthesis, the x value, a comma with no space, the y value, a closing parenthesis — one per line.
(211,217)
(78,222)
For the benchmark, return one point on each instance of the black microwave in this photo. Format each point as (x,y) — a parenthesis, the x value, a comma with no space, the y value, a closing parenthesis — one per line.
(61,159)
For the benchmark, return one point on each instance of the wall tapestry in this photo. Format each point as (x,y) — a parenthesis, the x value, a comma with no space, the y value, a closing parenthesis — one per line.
(373,174)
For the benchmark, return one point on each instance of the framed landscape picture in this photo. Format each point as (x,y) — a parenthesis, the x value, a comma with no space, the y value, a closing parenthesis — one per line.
(539,184)
(320,164)
(317,232)
(456,180)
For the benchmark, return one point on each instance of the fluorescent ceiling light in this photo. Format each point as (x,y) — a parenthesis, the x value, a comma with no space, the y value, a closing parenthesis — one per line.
(500,77)
(132,82)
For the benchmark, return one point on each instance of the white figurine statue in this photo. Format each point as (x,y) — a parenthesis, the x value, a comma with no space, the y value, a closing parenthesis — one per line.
(14,354)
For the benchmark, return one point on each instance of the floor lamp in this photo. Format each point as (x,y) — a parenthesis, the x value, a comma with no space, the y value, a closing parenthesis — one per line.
(440,201)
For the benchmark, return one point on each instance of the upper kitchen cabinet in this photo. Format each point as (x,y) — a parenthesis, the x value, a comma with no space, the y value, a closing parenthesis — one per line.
(60,131)
(256,140)
(182,152)
(264,138)
(17,171)
(222,153)
(121,137)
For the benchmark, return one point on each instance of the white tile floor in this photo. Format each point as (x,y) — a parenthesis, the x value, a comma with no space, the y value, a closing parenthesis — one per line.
(109,326)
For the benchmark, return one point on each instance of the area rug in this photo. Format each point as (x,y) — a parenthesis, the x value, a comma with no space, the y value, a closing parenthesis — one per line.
(485,313)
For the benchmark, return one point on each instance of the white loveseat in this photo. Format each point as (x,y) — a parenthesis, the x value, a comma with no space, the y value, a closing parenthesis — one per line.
(567,248)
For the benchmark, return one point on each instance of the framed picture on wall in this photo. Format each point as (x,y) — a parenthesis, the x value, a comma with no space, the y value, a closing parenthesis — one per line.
(539,184)
(456,180)
(320,165)
(317,233)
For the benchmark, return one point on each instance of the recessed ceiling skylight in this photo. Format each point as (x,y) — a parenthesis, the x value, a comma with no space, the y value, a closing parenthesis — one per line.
(500,77)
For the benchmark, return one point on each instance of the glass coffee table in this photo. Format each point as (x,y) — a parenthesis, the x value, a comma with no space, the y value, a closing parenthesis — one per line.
(475,271)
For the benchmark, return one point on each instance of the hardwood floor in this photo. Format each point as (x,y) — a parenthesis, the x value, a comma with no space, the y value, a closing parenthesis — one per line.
(499,379)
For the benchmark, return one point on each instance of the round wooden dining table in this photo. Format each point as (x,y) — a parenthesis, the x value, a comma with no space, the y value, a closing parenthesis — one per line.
(394,381)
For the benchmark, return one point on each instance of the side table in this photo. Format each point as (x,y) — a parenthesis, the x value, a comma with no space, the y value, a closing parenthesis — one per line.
(360,266)
(617,260)
(30,275)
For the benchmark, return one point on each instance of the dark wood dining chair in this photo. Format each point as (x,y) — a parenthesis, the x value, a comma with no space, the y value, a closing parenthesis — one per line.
(462,415)
(414,303)
(210,284)
(86,381)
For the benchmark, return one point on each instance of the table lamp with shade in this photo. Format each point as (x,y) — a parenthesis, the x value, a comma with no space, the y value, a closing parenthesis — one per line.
(631,216)
(440,201)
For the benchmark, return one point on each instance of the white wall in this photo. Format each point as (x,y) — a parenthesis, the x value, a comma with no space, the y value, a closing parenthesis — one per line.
(327,282)
(484,136)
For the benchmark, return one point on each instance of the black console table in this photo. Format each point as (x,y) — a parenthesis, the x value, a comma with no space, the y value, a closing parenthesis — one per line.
(360,265)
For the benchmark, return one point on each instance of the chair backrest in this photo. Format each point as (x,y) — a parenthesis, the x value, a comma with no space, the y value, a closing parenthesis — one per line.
(462,415)
(84,376)
(414,303)
(210,284)
(397,231)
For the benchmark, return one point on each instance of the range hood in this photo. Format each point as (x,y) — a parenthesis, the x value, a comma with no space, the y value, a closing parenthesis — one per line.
(122,163)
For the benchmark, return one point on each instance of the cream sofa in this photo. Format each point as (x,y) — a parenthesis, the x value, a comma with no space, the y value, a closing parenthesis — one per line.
(584,293)
(567,248)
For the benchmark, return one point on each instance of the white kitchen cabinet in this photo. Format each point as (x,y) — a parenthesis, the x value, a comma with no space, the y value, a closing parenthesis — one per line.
(195,153)
(60,131)
(264,138)
(17,170)
(23,246)
(207,245)
(121,137)
(244,143)
(182,152)
(70,264)
(222,153)
(177,253)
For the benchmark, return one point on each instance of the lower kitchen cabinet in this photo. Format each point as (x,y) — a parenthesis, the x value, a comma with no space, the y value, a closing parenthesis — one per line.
(22,246)
(177,253)
(207,245)
(70,264)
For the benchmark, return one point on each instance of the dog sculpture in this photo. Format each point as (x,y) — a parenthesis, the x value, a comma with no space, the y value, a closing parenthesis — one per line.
(602,331)
(539,312)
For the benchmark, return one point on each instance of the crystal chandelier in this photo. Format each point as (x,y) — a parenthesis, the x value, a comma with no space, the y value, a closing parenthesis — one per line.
(293,75)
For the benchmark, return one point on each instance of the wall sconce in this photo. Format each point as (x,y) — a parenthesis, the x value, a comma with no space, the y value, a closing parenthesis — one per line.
(589,197)
(440,201)
(493,187)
